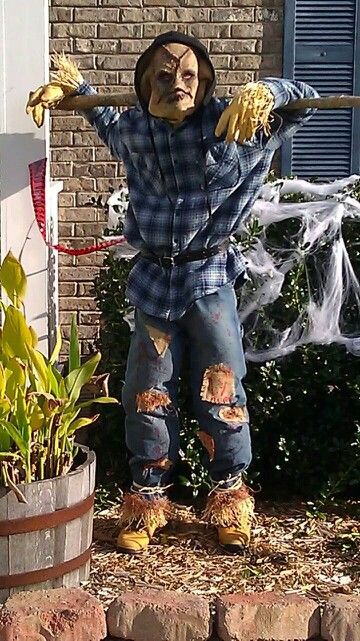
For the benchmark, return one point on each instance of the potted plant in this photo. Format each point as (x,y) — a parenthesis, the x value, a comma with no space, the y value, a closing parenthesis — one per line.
(46,480)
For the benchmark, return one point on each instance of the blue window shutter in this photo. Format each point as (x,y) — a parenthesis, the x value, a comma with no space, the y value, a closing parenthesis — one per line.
(321,48)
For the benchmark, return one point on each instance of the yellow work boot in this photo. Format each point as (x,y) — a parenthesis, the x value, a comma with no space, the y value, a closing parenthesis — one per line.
(232,512)
(139,519)
(134,541)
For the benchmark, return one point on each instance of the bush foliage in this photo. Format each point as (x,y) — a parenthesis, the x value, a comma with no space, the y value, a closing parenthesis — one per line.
(305,408)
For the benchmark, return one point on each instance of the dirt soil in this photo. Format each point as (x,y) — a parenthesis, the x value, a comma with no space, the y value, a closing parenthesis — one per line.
(290,551)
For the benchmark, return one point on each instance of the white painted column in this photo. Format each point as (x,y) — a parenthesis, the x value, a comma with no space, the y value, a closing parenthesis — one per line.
(24,62)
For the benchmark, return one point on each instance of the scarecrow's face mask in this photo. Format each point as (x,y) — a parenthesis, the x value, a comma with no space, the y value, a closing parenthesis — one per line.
(175,82)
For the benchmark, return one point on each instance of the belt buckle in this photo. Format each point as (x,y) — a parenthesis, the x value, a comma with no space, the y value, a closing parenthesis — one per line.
(167,262)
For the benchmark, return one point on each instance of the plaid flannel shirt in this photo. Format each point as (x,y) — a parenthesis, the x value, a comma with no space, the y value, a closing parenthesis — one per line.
(189,190)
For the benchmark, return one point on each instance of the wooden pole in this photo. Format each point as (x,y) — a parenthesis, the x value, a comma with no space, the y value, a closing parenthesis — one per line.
(78,103)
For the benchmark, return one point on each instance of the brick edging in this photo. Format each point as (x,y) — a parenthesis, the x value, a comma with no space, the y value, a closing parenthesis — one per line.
(149,614)
(269,616)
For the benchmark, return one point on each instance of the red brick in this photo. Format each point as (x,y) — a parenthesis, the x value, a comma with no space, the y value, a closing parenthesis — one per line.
(268,15)
(245,62)
(120,31)
(188,15)
(80,273)
(247,30)
(62,30)
(63,615)
(60,45)
(117,62)
(89,229)
(96,170)
(141,15)
(153,30)
(341,618)
(77,214)
(74,3)
(102,77)
(62,170)
(88,318)
(96,258)
(209,30)
(69,303)
(60,14)
(267,616)
(245,14)
(66,200)
(87,139)
(67,289)
(149,615)
(66,123)
(233,46)
(96,15)
(95,45)
(134,46)
(79,154)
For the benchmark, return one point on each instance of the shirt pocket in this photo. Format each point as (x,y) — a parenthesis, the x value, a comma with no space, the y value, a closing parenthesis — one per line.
(222,166)
(148,172)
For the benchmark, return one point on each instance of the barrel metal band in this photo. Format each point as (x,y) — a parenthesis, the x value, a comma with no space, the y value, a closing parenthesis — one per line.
(46,574)
(46,521)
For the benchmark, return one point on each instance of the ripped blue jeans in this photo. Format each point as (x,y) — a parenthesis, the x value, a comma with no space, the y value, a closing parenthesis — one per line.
(211,332)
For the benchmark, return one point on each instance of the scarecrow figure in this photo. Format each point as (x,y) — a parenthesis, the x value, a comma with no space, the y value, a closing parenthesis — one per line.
(194,165)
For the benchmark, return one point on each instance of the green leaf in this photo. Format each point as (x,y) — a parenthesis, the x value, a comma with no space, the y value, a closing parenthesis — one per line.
(5,407)
(56,351)
(13,279)
(15,377)
(79,423)
(41,368)
(22,417)
(54,379)
(15,435)
(2,381)
(17,337)
(101,399)
(74,348)
(76,379)
(5,441)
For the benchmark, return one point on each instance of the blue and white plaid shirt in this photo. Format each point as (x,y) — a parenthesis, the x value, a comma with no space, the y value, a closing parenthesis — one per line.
(189,190)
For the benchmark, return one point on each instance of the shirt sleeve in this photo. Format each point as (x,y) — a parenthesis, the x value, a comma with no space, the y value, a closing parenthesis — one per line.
(106,122)
(131,229)
(287,123)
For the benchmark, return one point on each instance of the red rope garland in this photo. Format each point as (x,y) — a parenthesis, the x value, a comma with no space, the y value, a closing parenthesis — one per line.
(37,172)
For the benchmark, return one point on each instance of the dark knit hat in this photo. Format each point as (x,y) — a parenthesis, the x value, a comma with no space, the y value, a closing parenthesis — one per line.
(165,38)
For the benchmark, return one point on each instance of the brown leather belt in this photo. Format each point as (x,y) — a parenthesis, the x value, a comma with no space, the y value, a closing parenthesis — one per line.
(180,259)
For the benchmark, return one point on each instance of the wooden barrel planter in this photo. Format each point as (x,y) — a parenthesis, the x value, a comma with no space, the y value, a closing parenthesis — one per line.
(46,543)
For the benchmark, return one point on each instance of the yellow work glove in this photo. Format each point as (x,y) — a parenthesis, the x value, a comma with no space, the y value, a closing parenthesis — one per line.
(247,113)
(64,82)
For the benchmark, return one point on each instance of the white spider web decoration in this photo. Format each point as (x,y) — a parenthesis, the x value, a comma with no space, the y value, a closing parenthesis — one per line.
(316,245)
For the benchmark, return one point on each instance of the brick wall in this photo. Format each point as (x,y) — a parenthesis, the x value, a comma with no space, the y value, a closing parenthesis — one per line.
(105,37)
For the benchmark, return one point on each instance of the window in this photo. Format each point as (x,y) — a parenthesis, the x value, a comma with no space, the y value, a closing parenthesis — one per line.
(321,47)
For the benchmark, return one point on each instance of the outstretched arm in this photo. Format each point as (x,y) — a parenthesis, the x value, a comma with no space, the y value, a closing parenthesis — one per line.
(67,81)
(105,121)
(284,92)
(260,109)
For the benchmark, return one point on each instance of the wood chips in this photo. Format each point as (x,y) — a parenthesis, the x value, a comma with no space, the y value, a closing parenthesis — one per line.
(290,552)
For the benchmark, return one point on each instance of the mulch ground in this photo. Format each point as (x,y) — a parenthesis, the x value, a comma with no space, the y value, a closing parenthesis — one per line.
(290,551)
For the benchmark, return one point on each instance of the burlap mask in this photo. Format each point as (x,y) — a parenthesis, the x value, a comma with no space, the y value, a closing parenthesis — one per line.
(175,82)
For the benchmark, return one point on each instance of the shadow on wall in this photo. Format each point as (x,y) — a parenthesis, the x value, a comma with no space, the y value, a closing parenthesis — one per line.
(19,150)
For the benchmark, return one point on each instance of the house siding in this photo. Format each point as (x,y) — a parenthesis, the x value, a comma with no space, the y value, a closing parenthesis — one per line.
(106,37)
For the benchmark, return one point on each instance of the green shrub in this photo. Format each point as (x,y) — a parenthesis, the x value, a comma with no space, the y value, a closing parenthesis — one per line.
(305,408)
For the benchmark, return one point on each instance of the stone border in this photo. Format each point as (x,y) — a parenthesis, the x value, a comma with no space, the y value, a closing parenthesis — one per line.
(161,615)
